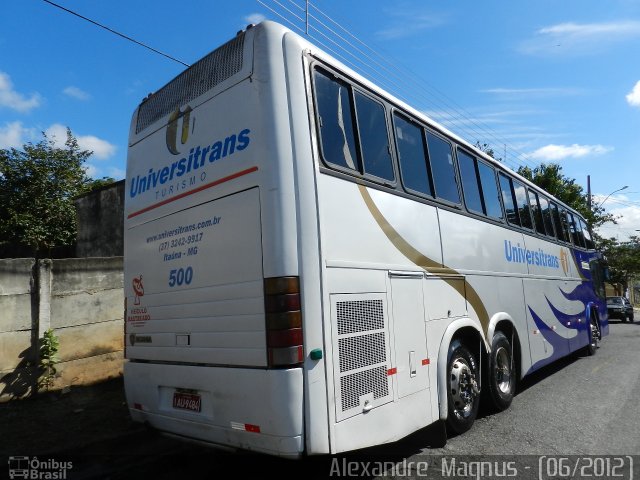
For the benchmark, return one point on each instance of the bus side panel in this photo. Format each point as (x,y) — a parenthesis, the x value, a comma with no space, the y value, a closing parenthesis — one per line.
(316,394)
(380,374)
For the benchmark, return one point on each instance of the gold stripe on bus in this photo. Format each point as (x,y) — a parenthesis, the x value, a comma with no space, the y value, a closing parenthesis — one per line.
(429,265)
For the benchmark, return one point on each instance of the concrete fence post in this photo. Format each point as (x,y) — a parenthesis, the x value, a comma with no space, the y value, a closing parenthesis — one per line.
(44,296)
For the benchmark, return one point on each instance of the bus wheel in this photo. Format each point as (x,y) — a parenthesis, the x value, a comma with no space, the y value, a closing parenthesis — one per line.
(462,388)
(502,377)
(594,335)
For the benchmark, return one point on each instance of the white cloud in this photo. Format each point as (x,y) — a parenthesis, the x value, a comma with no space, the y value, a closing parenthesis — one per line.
(628,217)
(255,18)
(577,38)
(117,173)
(77,93)
(535,92)
(16,101)
(101,148)
(14,135)
(405,24)
(633,98)
(560,152)
(91,170)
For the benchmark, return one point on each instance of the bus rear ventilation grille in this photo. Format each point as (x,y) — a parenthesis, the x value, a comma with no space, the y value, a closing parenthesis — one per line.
(215,68)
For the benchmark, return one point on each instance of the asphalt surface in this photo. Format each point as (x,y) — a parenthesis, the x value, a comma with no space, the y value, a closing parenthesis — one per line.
(579,406)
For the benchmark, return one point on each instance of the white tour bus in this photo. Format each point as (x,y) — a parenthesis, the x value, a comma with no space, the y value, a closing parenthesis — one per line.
(312,266)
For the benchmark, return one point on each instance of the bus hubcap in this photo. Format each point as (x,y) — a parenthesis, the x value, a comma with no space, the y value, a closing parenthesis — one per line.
(503,370)
(463,387)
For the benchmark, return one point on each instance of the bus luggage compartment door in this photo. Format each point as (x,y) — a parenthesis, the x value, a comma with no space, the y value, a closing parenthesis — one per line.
(409,332)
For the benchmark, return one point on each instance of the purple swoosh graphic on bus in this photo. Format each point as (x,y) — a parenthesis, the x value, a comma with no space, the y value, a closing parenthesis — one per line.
(582,293)
(558,342)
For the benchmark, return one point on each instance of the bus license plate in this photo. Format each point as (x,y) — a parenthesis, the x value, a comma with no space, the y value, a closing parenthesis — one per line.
(187,401)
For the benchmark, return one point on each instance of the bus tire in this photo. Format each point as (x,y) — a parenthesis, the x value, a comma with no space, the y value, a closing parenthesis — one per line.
(501,381)
(594,335)
(462,388)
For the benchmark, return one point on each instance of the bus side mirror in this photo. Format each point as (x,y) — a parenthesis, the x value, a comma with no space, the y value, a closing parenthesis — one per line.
(606,274)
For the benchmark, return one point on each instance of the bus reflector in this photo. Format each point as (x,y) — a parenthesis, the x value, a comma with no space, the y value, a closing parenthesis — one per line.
(283,320)
(252,428)
(246,427)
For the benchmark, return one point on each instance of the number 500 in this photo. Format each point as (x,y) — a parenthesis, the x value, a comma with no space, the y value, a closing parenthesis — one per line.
(180,276)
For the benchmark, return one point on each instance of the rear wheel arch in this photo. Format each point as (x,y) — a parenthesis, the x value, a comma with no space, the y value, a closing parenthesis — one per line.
(509,330)
(467,333)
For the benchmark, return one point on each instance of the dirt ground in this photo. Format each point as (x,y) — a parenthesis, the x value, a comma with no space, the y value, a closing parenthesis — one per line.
(65,421)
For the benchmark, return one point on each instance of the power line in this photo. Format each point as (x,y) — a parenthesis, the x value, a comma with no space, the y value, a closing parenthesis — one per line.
(126,37)
(388,73)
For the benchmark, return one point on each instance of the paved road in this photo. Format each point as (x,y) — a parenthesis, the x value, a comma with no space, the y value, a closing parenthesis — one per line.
(582,405)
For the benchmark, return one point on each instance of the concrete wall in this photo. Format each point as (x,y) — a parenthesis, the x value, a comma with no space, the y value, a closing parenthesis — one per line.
(81,300)
(101,222)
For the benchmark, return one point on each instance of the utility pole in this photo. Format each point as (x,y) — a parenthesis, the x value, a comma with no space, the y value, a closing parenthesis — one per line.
(589,191)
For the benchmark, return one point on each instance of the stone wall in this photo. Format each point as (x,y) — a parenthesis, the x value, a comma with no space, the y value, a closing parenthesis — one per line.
(101,222)
(81,300)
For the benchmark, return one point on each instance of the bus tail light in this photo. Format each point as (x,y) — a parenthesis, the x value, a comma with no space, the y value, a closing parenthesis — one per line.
(283,321)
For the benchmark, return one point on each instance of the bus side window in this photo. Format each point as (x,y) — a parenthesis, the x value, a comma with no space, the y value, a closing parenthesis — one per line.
(412,156)
(490,191)
(536,212)
(547,216)
(565,225)
(509,200)
(335,118)
(587,234)
(443,169)
(523,205)
(576,233)
(374,138)
(561,231)
(470,184)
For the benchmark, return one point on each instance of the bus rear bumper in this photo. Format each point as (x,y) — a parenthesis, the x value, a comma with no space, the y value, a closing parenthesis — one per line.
(251,409)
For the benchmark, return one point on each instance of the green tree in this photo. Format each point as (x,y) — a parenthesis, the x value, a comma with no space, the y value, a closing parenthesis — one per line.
(486,148)
(37,187)
(623,258)
(98,183)
(549,177)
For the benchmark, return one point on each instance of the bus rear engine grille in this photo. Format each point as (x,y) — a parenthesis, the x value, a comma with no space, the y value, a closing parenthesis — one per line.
(215,68)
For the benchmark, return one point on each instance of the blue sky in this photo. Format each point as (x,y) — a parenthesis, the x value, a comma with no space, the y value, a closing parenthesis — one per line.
(539,81)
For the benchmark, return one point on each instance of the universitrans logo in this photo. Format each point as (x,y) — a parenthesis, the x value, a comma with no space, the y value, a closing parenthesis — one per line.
(564,261)
(172,129)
